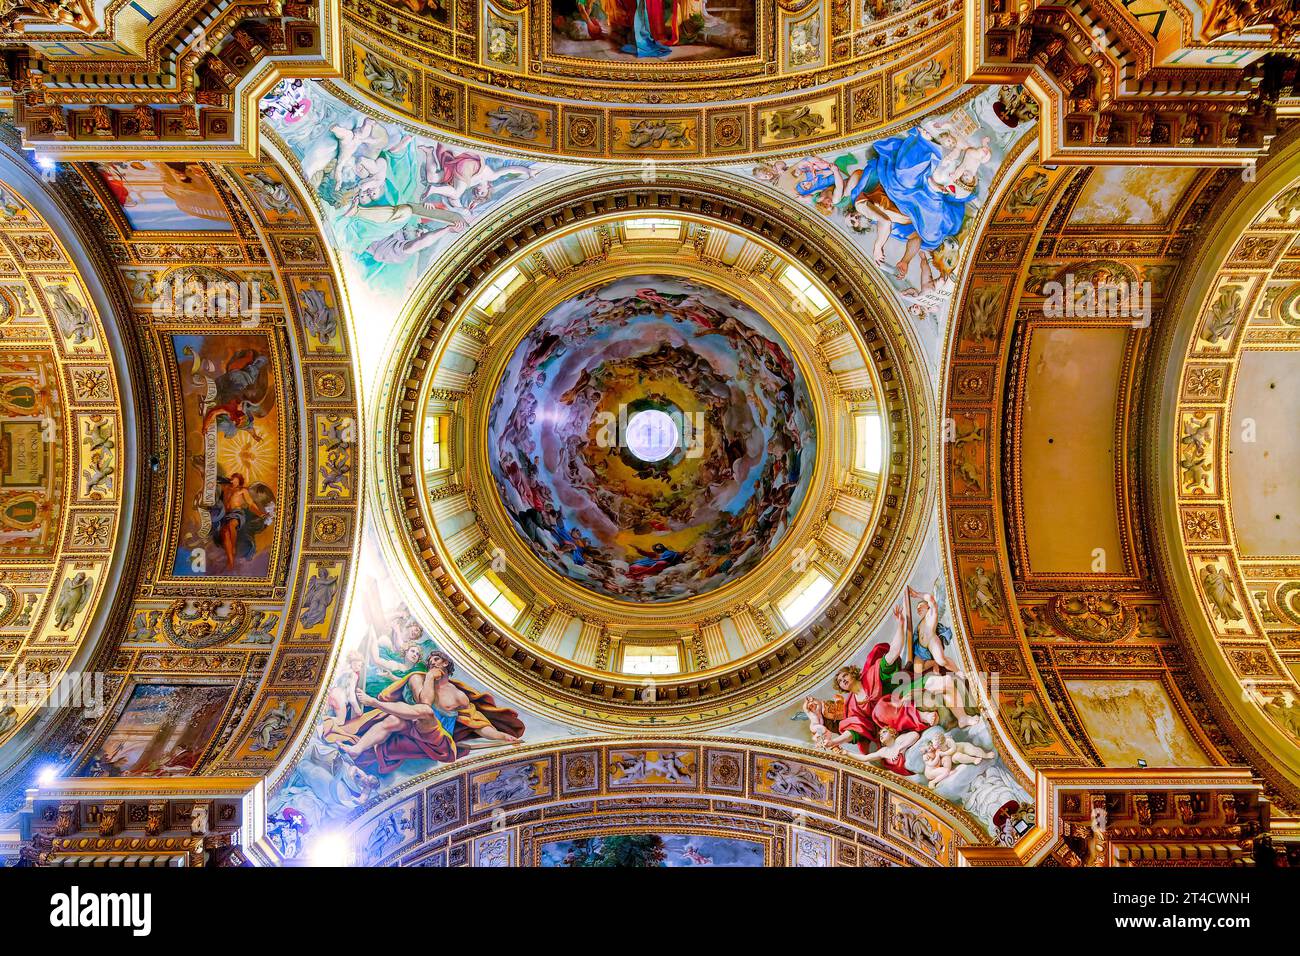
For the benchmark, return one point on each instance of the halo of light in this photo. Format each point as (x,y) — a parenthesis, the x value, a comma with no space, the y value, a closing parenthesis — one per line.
(652,435)
(331,849)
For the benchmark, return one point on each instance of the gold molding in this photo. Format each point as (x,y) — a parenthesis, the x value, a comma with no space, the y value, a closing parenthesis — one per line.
(771,677)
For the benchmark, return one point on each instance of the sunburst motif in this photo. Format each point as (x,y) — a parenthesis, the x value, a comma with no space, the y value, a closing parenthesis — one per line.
(255,460)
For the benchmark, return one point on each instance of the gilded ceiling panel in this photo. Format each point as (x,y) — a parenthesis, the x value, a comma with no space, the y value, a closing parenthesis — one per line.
(156,79)
(1119,82)
(255,470)
(598,82)
(64,459)
(1080,645)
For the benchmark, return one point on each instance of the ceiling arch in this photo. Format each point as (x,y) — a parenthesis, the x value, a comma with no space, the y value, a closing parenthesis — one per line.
(1220,442)
(70,444)
(1070,627)
(720,795)
(255,473)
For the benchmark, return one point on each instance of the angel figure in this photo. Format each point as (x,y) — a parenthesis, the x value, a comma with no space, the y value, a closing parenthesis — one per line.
(1219,592)
(74,595)
(943,755)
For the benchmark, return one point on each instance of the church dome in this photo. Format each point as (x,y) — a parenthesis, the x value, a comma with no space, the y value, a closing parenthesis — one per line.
(652,442)
(652,438)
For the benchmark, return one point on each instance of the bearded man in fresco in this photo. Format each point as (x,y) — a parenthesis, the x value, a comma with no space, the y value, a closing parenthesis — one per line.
(424,715)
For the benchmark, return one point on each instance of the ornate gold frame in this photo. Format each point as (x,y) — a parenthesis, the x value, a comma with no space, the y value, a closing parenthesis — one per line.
(1194,523)
(606,700)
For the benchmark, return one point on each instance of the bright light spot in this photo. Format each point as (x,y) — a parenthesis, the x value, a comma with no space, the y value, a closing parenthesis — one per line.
(652,228)
(803,599)
(650,660)
(495,295)
(497,599)
(868,444)
(45,162)
(331,849)
(796,281)
(47,776)
(652,435)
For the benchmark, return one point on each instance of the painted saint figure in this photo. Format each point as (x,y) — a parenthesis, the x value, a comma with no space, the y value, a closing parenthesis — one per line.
(240,513)
(318,597)
(426,715)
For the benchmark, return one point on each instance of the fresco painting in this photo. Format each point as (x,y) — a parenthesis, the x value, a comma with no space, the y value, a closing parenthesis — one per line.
(873,10)
(1132,720)
(655,30)
(273,195)
(910,200)
(593,509)
(1131,195)
(391,198)
(165,197)
(398,707)
(652,850)
(903,704)
(231,467)
(162,732)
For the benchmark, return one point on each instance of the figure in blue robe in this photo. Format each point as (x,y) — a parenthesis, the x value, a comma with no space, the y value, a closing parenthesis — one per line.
(643,40)
(902,166)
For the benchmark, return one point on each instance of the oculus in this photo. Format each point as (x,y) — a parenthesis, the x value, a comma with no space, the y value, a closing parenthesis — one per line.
(651,439)
(652,435)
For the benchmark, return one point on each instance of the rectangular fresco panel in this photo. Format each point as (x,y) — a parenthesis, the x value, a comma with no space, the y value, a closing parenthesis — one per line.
(166,197)
(653,30)
(231,466)
(1131,195)
(1128,720)
(162,732)
(653,850)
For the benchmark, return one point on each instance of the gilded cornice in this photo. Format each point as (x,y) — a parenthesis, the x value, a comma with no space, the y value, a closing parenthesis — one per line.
(769,676)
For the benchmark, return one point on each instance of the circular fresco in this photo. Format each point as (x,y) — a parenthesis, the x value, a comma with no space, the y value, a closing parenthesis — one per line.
(651,439)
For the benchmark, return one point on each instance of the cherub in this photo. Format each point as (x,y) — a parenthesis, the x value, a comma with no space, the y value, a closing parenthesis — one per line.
(341,701)
(891,754)
(99,473)
(942,756)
